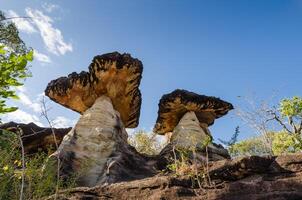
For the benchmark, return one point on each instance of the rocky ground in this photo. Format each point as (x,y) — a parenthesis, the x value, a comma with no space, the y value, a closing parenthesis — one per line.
(243,178)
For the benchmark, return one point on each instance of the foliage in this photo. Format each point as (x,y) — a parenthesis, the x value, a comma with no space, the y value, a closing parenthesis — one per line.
(265,119)
(146,143)
(9,36)
(291,107)
(286,143)
(186,163)
(13,68)
(249,147)
(14,57)
(40,176)
(282,143)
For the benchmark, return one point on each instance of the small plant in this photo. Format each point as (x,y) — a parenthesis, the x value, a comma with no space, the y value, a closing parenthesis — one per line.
(185,162)
(40,178)
(146,143)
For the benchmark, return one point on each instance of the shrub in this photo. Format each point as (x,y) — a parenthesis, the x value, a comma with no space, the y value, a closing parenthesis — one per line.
(282,142)
(147,143)
(40,178)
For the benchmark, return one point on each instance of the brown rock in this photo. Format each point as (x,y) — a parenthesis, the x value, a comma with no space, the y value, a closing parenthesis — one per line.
(188,116)
(97,149)
(259,182)
(173,106)
(114,75)
(35,137)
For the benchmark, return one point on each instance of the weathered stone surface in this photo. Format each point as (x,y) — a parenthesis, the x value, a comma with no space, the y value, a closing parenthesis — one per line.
(114,75)
(174,105)
(97,149)
(212,152)
(188,133)
(251,178)
(35,137)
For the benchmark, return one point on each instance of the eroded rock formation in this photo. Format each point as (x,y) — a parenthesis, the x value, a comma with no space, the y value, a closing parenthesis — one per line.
(97,149)
(252,178)
(174,105)
(35,137)
(187,115)
(109,99)
(113,74)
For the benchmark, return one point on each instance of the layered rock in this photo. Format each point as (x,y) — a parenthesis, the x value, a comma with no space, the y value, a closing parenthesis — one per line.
(253,178)
(35,137)
(97,149)
(113,74)
(174,105)
(184,117)
(188,133)
(109,98)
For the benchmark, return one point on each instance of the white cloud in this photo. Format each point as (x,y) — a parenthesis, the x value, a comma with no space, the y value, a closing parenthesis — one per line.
(25,100)
(62,122)
(41,57)
(22,117)
(22,24)
(48,7)
(52,37)
(34,106)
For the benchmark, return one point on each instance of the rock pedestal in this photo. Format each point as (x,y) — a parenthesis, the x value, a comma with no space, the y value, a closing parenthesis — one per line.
(188,132)
(97,147)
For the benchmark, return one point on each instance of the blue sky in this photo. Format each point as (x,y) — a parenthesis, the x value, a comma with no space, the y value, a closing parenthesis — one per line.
(218,48)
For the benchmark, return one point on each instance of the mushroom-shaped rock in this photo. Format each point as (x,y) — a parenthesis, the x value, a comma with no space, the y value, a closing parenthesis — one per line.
(114,75)
(109,100)
(173,106)
(187,115)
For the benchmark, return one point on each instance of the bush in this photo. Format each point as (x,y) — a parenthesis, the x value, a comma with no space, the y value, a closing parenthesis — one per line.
(40,177)
(282,143)
(146,143)
(249,147)
(286,143)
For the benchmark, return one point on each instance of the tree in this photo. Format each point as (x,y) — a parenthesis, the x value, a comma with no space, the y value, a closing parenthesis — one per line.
(282,143)
(291,110)
(145,142)
(249,147)
(267,118)
(9,35)
(286,143)
(14,57)
(255,114)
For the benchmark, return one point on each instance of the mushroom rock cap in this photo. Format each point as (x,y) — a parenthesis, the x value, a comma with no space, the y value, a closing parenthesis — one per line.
(174,105)
(113,74)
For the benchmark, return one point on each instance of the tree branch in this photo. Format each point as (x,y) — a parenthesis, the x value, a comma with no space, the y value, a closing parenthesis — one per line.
(10,18)
(291,122)
(45,115)
(300,128)
(277,118)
